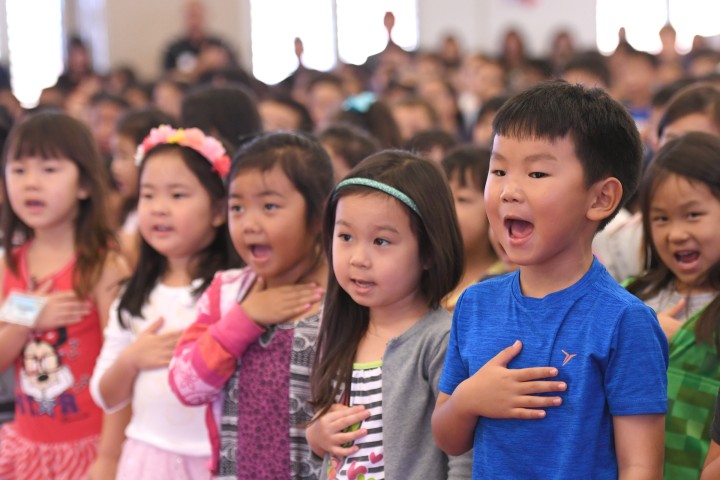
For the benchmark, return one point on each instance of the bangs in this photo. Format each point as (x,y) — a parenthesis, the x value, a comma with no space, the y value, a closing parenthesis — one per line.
(33,144)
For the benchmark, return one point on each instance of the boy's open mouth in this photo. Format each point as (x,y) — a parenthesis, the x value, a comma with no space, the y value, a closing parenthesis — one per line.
(518,229)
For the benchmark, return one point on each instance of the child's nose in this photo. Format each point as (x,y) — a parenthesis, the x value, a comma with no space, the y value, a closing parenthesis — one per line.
(511,192)
(158,207)
(250,222)
(359,257)
(678,232)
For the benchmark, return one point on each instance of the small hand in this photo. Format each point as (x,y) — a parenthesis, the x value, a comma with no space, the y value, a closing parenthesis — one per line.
(668,321)
(269,306)
(328,433)
(152,349)
(61,308)
(496,391)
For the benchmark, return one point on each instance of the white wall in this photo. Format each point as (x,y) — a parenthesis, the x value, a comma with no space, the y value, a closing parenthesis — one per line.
(480,25)
(137,32)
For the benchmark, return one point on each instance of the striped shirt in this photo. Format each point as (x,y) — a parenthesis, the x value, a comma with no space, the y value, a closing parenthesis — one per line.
(366,390)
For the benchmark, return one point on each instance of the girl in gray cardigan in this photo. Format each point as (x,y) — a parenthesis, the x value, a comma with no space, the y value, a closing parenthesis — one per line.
(391,235)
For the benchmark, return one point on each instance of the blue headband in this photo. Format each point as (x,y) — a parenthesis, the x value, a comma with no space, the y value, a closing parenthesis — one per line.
(392,191)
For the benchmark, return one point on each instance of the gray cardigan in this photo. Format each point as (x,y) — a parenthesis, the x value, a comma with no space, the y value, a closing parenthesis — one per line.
(410,374)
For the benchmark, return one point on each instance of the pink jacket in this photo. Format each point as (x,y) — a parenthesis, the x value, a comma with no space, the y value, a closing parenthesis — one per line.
(208,352)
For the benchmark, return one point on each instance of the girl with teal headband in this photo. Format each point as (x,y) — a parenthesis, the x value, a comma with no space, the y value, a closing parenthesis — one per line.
(392,240)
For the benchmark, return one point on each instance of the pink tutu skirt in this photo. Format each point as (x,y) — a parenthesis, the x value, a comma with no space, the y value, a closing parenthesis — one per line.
(142,461)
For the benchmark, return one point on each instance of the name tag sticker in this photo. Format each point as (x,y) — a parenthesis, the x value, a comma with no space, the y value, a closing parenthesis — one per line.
(22,309)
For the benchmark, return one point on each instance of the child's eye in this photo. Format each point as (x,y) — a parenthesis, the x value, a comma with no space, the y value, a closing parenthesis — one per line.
(695,215)
(658,219)
(270,207)
(381,242)
(178,195)
(538,175)
(146,196)
(345,237)
(235,208)
(17,170)
(498,173)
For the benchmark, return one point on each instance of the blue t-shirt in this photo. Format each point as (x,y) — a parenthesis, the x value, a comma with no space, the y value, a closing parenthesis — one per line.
(606,344)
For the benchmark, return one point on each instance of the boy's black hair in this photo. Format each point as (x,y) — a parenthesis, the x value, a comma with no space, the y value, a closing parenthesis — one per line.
(606,139)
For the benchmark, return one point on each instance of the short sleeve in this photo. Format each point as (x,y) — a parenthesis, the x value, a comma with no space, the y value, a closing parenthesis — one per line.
(116,339)
(455,371)
(636,375)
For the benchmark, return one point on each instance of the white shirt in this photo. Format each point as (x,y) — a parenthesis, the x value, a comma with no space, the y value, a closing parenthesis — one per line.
(158,417)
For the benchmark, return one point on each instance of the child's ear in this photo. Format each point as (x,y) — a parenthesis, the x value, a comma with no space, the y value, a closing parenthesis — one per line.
(219,214)
(605,198)
(83,193)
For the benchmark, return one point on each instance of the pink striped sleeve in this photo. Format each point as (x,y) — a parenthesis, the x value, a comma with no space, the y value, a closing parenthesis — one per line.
(207,353)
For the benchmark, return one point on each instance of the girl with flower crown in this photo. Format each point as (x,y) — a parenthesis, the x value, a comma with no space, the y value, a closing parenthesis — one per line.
(181,215)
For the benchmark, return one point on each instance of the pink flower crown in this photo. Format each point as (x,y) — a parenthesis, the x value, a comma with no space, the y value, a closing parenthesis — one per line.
(194,138)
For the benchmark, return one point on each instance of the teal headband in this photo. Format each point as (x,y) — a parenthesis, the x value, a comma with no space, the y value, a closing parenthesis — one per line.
(392,191)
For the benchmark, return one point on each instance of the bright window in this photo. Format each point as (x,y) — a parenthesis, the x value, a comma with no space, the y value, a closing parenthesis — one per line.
(694,17)
(361,32)
(274,26)
(643,19)
(348,30)
(35,46)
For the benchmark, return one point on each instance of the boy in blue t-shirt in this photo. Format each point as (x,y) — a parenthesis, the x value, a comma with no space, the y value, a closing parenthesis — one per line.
(564,160)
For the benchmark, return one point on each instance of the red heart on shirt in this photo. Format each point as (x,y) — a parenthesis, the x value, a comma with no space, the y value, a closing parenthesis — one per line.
(354,471)
(375,458)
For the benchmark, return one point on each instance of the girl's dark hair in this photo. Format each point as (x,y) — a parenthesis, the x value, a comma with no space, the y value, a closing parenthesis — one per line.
(151,265)
(227,112)
(694,156)
(53,134)
(301,158)
(136,125)
(344,321)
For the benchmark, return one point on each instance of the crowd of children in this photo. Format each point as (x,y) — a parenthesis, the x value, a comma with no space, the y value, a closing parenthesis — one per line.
(431,267)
